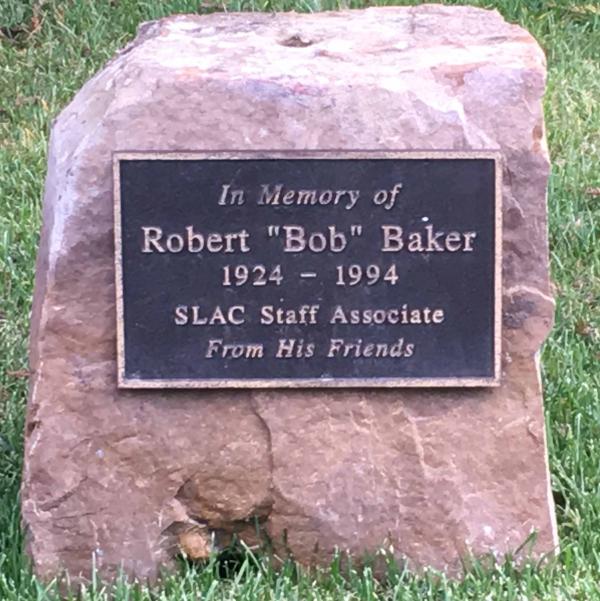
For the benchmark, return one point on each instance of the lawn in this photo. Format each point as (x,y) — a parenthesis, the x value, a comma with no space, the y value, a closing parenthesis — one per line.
(48,49)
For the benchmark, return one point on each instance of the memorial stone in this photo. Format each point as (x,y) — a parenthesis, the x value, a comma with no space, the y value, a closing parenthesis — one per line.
(292,285)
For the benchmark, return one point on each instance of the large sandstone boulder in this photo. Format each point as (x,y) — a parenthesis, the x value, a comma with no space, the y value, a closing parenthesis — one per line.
(132,477)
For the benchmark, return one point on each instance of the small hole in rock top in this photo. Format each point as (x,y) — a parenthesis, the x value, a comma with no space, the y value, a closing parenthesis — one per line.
(296,41)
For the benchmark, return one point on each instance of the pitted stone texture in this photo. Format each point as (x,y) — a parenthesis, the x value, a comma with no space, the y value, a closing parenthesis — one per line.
(132,476)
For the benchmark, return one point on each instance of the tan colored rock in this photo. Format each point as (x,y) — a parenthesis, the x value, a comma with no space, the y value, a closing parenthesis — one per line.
(195,544)
(133,476)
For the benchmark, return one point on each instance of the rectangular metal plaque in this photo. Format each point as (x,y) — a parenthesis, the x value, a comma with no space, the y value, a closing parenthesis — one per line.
(308,269)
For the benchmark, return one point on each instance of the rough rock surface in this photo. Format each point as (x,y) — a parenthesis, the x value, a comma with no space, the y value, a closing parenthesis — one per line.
(133,476)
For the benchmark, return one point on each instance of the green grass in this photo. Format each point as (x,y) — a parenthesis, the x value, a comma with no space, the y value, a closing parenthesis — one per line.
(48,50)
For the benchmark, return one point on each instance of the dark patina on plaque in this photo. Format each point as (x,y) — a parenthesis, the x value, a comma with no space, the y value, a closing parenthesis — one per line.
(308,269)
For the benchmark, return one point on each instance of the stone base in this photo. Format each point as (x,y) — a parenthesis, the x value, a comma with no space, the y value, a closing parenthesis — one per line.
(133,476)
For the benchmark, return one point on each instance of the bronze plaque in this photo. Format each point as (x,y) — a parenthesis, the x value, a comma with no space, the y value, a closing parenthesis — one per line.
(314,269)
